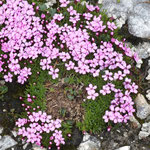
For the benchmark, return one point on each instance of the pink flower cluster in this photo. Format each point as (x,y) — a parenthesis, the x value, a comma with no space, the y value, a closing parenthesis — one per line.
(22,41)
(121,107)
(31,129)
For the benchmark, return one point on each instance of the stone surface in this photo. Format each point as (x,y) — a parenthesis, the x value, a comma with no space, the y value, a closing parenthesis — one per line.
(139,20)
(89,143)
(148,92)
(7,142)
(124,148)
(143,108)
(50,3)
(148,78)
(134,122)
(143,50)
(36,147)
(118,9)
(1,130)
(139,63)
(145,131)
(136,12)
(14,133)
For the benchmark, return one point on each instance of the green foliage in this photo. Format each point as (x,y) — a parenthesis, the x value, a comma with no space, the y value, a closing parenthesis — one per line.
(95,110)
(63,112)
(3,90)
(67,128)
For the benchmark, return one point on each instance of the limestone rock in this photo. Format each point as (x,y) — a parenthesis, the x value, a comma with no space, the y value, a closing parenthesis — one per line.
(36,147)
(1,130)
(124,148)
(50,3)
(148,93)
(139,20)
(143,108)
(89,143)
(148,78)
(145,131)
(118,9)
(143,50)
(134,122)
(7,142)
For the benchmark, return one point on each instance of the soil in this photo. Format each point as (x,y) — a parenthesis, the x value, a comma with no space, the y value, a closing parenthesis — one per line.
(63,103)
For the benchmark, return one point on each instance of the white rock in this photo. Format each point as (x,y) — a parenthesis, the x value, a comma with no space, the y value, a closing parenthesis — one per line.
(25,145)
(148,77)
(89,143)
(145,131)
(14,133)
(120,22)
(119,9)
(36,147)
(139,20)
(143,108)
(1,130)
(124,148)
(100,1)
(142,50)
(143,135)
(139,63)
(50,3)
(148,96)
(7,142)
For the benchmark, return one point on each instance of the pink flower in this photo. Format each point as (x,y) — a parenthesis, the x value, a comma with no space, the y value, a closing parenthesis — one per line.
(105,90)
(107,76)
(64,3)
(111,25)
(8,78)
(119,75)
(91,92)
(54,73)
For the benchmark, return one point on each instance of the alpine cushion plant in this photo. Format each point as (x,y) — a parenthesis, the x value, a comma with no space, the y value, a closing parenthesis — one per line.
(32,128)
(78,37)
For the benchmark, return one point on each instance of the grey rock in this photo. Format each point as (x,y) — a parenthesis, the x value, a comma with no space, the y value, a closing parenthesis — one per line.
(124,148)
(50,3)
(134,122)
(25,145)
(14,133)
(1,130)
(7,142)
(143,50)
(139,20)
(137,12)
(36,147)
(89,143)
(145,131)
(118,9)
(148,92)
(143,108)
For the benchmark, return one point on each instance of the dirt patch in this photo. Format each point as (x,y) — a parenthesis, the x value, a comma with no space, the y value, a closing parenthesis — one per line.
(65,101)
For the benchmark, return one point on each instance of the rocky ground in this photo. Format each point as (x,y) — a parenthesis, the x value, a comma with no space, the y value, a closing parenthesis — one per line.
(133,16)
